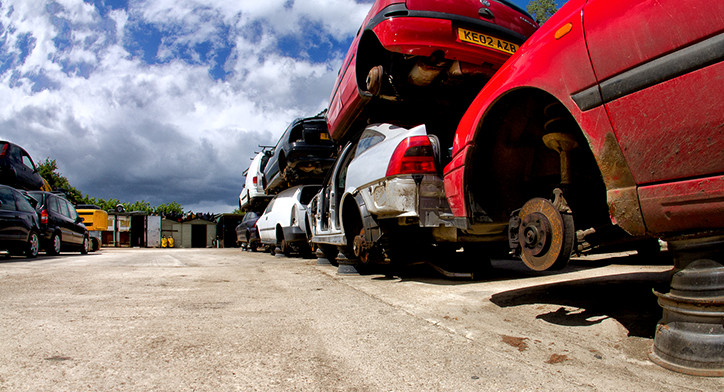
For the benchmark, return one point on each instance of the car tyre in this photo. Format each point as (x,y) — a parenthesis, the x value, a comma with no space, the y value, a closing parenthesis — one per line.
(33,245)
(55,243)
(84,248)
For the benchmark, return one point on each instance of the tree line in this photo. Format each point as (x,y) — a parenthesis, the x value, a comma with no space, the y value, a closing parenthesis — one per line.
(49,171)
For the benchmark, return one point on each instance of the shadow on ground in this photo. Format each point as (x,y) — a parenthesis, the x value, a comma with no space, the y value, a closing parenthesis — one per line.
(627,298)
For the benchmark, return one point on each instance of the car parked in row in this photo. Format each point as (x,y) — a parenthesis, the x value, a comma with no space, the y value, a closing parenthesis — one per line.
(283,223)
(605,126)
(19,225)
(61,229)
(252,196)
(384,194)
(17,169)
(415,61)
(303,155)
(247,234)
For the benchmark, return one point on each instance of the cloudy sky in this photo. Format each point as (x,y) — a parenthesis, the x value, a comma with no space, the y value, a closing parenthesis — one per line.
(165,100)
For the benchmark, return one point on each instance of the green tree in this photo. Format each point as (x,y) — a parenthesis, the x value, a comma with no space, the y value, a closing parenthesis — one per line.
(169,208)
(541,10)
(49,171)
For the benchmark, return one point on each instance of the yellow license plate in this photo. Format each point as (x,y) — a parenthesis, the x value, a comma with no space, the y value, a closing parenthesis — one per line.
(487,41)
(324,136)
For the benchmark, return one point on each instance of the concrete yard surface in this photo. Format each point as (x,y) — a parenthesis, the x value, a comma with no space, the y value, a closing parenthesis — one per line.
(228,320)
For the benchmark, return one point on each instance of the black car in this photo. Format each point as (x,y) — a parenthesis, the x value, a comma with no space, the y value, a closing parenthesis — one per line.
(19,226)
(17,168)
(303,155)
(246,233)
(60,226)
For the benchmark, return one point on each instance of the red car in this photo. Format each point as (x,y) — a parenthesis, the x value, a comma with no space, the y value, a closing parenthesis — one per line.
(608,120)
(423,57)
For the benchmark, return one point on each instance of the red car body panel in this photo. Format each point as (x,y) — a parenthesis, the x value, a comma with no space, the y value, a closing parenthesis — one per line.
(419,35)
(659,146)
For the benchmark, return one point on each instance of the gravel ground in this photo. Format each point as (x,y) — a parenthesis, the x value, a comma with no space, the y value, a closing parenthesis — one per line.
(224,320)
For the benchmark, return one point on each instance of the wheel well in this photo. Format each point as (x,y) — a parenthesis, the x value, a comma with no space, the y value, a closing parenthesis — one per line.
(351,219)
(510,155)
(370,53)
(279,233)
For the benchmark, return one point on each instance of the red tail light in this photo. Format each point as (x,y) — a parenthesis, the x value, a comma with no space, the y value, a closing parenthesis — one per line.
(413,155)
(4,150)
(44,217)
(254,180)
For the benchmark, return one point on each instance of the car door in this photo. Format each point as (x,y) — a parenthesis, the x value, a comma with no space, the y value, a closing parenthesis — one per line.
(77,227)
(265,226)
(659,64)
(9,217)
(63,221)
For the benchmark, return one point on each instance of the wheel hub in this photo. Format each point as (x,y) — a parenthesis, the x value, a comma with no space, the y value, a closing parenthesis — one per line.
(536,229)
(547,236)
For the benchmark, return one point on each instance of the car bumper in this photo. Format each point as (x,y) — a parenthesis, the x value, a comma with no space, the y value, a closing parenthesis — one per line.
(403,198)
(419,36)
(294,234)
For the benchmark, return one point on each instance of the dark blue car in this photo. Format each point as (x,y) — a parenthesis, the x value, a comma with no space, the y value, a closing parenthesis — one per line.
(19,226)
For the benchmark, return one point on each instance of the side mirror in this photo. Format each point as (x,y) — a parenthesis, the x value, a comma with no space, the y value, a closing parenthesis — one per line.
(79,220)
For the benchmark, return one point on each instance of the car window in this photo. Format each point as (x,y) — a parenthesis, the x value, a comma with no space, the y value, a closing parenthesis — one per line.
(249,216)
(308,193)
(369,138)
(296,135)
(22,203)
(63,207)
(28,162)
(52,204)
(7,199)
(15,154)
(71,211)
(269,207)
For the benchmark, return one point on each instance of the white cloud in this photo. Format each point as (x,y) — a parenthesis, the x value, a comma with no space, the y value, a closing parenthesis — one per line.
(162,132)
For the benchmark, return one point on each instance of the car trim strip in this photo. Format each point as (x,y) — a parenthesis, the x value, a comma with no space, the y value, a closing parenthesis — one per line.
(400,10)
(588,98)
(662,69)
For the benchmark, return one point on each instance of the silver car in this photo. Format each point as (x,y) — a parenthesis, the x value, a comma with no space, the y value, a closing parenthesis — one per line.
(384,192)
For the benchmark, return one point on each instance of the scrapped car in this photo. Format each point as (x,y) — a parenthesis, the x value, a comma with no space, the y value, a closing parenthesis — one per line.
(605,126)
(61,229)
(283,225)
(252,196)
(19,226)
(17,169)
(303,155)
(381,196)
(423,61)
(247,235)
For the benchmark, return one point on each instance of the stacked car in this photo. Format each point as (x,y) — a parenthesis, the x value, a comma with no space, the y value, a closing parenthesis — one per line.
(279,184)
(412,62)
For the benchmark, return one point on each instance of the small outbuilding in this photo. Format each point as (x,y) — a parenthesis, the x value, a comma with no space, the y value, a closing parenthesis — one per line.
(195,233)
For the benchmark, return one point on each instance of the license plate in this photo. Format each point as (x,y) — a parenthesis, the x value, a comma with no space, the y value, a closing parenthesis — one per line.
(323,136)
(487,41)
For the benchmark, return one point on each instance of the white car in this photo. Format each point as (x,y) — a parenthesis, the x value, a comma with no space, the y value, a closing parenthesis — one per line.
(283,223)
(382,195)
(252,196)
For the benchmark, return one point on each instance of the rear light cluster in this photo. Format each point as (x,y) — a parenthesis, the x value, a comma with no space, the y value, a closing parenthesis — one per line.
(44,217)
(413,155)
